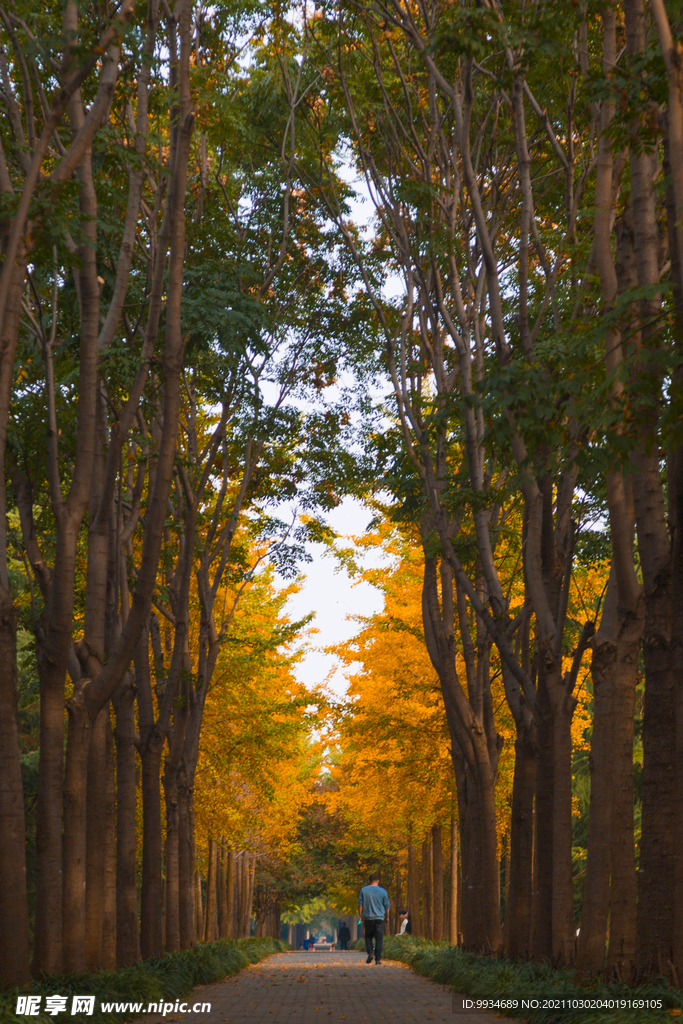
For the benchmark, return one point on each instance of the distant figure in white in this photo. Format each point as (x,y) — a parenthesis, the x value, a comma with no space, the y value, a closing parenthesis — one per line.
(406,927)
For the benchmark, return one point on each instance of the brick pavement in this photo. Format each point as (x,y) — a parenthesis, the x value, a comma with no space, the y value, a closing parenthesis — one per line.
(312,988)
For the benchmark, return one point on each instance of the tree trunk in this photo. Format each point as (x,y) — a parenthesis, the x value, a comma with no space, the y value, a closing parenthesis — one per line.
(47,952)
(198,903)
(230,895)
(97,822)
(656,879)
(427,889)
(656,867)
(616,648)
(623,897)
(172,867)
(251,880)
(109,923)
(220,892)
(398,904)
(223,893)
(210,909)
(437,875)
(239,893)
(481,927)
(187,912)
(14,931)
(453,905)
(152,894)
(127,939)
(564,943)
(413,892)
(14,936)
(673,173)
(518,893)
(592,944)
(542,889)
(73,912)
(475,749)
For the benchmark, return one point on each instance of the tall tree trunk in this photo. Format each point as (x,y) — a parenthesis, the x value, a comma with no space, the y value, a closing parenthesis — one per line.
(454,894)
(109,922)
(210,917)
(564,945)
(427,929)
(414,891)
(73,909)
(14,933)
(230,895)
(475,749)
(52,664)
(127,939)
(398,904)
(611,848)
(518,893)
(656,869)
(239,893)
(97,822)
(222,892)
(199,905)
(623,896)
(592,945)
(251,881)
(541,904)
(481,930)
(187,912)
(14,937)
(437,875)
(152,892)
(172,867)
(673,173)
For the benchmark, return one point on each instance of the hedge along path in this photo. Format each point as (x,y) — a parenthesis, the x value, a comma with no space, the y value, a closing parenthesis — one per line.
(308,988)
(172,977)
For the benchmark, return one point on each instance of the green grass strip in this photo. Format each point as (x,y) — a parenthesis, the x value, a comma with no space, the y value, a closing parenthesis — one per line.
(492,978)
(150,981)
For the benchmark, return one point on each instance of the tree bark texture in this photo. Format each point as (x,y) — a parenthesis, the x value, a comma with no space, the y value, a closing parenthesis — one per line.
(453,937)
(127,938)
(99,813)
(518,893)
(413,896)
(427,889)
(437,876)
(187,913)
(210,912)
(171,860)
(152,890)
(14,935)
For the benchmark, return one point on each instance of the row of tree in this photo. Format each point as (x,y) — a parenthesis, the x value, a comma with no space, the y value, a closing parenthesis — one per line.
(182,276)
(523,165)
(150,346)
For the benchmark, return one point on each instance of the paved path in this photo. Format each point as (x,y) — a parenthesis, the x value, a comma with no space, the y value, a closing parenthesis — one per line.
(314,988)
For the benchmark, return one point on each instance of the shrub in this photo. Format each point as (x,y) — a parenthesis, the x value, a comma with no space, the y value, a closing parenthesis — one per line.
(150,981)
(488,977)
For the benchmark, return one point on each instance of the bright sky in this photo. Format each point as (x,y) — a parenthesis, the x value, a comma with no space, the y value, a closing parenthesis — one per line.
(329,592)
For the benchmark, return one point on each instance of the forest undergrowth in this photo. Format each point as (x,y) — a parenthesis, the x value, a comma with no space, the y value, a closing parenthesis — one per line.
(168,978)
(492,977)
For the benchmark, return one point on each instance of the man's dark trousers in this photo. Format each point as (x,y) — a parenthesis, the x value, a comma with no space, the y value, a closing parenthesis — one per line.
(374,928)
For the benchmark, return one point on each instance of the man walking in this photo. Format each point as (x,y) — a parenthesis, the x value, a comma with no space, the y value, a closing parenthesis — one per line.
(373,903)
(344,935)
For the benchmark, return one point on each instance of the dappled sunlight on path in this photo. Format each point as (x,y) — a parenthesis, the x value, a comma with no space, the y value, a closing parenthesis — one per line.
(309,988)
